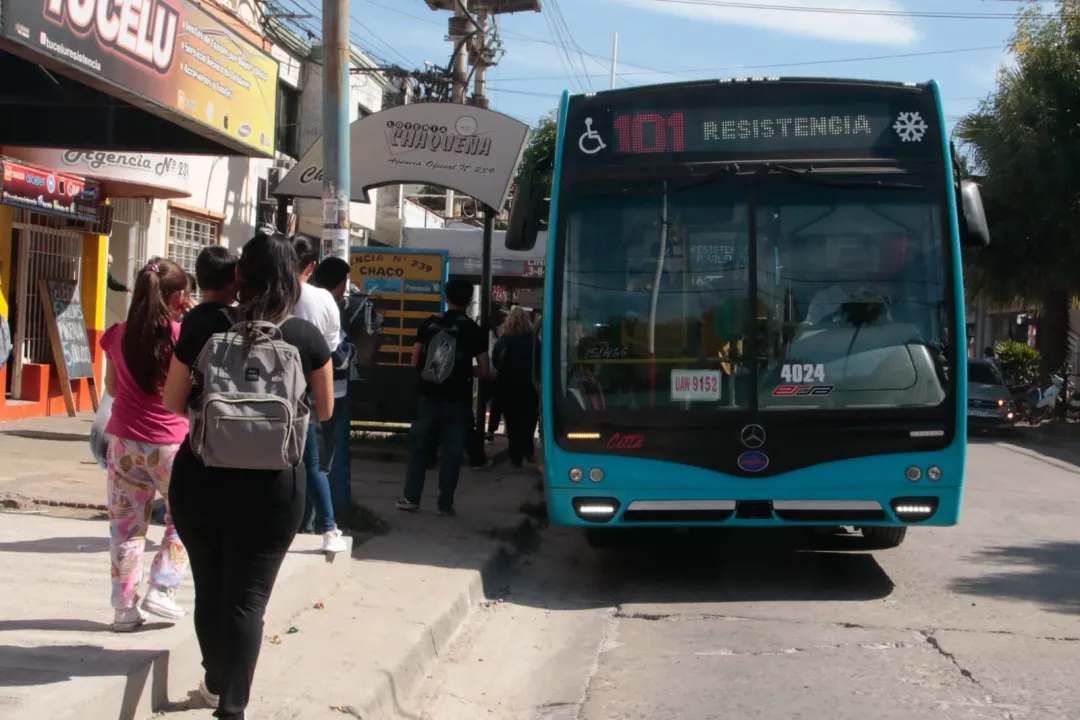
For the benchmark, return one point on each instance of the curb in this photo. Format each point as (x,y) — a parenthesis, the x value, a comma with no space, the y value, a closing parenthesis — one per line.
(400,676)
(1052,435)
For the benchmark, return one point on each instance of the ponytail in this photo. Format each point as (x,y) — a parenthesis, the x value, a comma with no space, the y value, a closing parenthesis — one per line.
(148,342)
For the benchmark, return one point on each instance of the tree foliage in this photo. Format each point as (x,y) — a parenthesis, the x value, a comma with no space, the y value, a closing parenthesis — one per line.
(539,155)
(1020,361)
(1024,143)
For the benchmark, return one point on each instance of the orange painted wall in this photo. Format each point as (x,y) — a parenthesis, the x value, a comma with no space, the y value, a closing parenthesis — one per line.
(42,393)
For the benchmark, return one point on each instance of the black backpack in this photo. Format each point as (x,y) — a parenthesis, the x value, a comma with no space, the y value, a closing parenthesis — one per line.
(446,350)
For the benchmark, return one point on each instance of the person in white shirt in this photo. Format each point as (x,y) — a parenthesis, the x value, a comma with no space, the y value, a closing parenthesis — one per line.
(318,307)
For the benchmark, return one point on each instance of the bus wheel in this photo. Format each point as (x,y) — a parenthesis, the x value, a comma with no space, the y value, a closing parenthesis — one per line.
(883,538)
(603,537)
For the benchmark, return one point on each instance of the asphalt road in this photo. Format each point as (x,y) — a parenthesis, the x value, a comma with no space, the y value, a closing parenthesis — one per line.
(977,621)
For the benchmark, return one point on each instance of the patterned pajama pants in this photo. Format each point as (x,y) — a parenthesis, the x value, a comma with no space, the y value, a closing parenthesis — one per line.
(137,472)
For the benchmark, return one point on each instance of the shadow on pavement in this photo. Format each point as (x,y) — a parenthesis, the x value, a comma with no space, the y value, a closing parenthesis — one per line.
(72,625)
(723,565)
(64,545)
(1046,573)
(1029,441)
(32,666)
(47,435)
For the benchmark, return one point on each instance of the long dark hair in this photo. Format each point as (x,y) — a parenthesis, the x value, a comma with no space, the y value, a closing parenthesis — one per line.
(269,278)
(148,343)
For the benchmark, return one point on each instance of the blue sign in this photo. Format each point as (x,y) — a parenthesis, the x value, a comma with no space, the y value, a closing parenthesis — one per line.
(423,287)
(386,285)
(753,461)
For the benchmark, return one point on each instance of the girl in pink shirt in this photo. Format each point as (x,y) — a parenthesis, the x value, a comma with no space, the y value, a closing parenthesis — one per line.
(143,439)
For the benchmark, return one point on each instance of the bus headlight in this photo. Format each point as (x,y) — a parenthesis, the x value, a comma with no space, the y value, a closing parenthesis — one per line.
(934,473)
(913,473)
(577,474)
(596,475)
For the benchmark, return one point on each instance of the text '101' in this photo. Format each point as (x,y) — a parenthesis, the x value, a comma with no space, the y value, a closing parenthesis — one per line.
(650,133)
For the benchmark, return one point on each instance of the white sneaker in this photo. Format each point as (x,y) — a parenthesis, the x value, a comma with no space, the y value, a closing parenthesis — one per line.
(208,697)
(128,620)
(162,602)
(334,542)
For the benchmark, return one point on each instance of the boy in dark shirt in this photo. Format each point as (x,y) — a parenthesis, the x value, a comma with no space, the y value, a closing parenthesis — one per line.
(215,273)
(443,354)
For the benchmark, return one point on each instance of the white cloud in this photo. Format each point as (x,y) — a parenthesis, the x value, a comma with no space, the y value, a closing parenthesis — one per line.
(836,27)
(986,75)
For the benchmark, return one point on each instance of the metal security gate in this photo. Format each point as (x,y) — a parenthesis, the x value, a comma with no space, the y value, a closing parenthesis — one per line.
(49,249)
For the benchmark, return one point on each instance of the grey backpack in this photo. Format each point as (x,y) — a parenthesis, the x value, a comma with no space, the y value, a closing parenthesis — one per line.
(252,412)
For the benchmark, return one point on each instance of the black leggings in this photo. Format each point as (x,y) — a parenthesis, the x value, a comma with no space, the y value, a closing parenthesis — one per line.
(237,526)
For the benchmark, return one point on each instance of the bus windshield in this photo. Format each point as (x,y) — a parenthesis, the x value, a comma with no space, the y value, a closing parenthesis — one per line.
(847,306)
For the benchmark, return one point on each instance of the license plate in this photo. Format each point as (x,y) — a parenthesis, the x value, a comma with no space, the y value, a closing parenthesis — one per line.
(695,385)
(981,413)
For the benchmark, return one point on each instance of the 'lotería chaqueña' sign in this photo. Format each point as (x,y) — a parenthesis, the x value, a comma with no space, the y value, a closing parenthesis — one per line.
(471,150)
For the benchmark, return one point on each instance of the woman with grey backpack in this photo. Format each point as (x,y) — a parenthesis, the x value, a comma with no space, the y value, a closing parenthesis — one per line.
(250,379)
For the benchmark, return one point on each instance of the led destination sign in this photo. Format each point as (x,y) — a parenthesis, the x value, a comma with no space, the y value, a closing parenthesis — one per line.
(903,128)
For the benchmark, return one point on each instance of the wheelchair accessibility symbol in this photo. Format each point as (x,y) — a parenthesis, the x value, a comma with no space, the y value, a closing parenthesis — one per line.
(590,142)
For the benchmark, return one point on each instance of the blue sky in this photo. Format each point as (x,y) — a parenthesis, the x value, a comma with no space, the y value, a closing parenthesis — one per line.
(668,40)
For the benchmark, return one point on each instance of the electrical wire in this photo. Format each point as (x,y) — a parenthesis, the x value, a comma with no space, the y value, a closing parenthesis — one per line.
(842,11)
(806,63)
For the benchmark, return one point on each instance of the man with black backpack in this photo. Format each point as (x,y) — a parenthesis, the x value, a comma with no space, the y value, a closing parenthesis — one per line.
(443,353)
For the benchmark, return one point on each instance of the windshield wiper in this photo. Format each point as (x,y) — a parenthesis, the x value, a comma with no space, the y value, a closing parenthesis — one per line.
(809,175)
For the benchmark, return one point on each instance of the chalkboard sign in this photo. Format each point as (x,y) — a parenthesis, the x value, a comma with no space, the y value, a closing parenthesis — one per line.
(67,331)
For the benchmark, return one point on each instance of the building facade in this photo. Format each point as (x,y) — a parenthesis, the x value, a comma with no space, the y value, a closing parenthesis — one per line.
(164,163)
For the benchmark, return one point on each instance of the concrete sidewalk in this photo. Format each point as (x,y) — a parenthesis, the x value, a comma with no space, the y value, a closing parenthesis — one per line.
(386,611)
(49,460)
(58,656)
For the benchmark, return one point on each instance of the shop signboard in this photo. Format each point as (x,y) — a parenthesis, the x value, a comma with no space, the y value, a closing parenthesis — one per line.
(48,191)
(468,149)
(407,286)
(121,174)
(499,267)
(174,54)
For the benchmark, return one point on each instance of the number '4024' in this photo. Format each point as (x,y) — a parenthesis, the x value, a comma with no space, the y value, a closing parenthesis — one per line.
(804,372)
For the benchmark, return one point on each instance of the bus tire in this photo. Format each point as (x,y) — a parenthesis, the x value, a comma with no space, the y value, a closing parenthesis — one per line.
(883,538)
(602,537)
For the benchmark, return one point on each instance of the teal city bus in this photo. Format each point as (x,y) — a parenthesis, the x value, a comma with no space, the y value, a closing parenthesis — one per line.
(753,312)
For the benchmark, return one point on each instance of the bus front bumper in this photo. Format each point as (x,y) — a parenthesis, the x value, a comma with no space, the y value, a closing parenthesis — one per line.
(902,505)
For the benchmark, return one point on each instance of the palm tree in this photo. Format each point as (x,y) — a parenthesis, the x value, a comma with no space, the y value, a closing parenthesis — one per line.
(1024,139)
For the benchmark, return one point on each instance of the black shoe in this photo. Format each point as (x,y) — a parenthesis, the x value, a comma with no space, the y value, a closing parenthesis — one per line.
(516,464)
(448,512)
(407,505)
(490,437)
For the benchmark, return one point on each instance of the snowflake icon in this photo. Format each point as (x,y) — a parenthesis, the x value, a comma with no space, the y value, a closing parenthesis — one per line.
(910,127)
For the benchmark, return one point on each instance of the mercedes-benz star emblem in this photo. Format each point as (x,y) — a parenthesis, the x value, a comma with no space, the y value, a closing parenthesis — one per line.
(753,436)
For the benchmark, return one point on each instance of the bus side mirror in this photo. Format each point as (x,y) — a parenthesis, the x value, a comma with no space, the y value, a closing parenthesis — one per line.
(525,215)
(974,231)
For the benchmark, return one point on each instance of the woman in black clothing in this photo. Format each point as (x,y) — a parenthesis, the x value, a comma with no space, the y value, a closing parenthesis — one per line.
(238,524)
(520,402)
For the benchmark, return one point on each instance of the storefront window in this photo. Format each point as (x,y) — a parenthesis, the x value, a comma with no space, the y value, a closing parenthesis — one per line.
(188,235)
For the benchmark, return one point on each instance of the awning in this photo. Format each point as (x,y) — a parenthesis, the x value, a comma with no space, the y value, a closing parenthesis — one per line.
(48,191)
(121,174)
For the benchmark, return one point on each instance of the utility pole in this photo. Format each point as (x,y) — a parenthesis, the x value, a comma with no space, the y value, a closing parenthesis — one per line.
(614,57)
(481,58)
(336,170)
(459,35)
